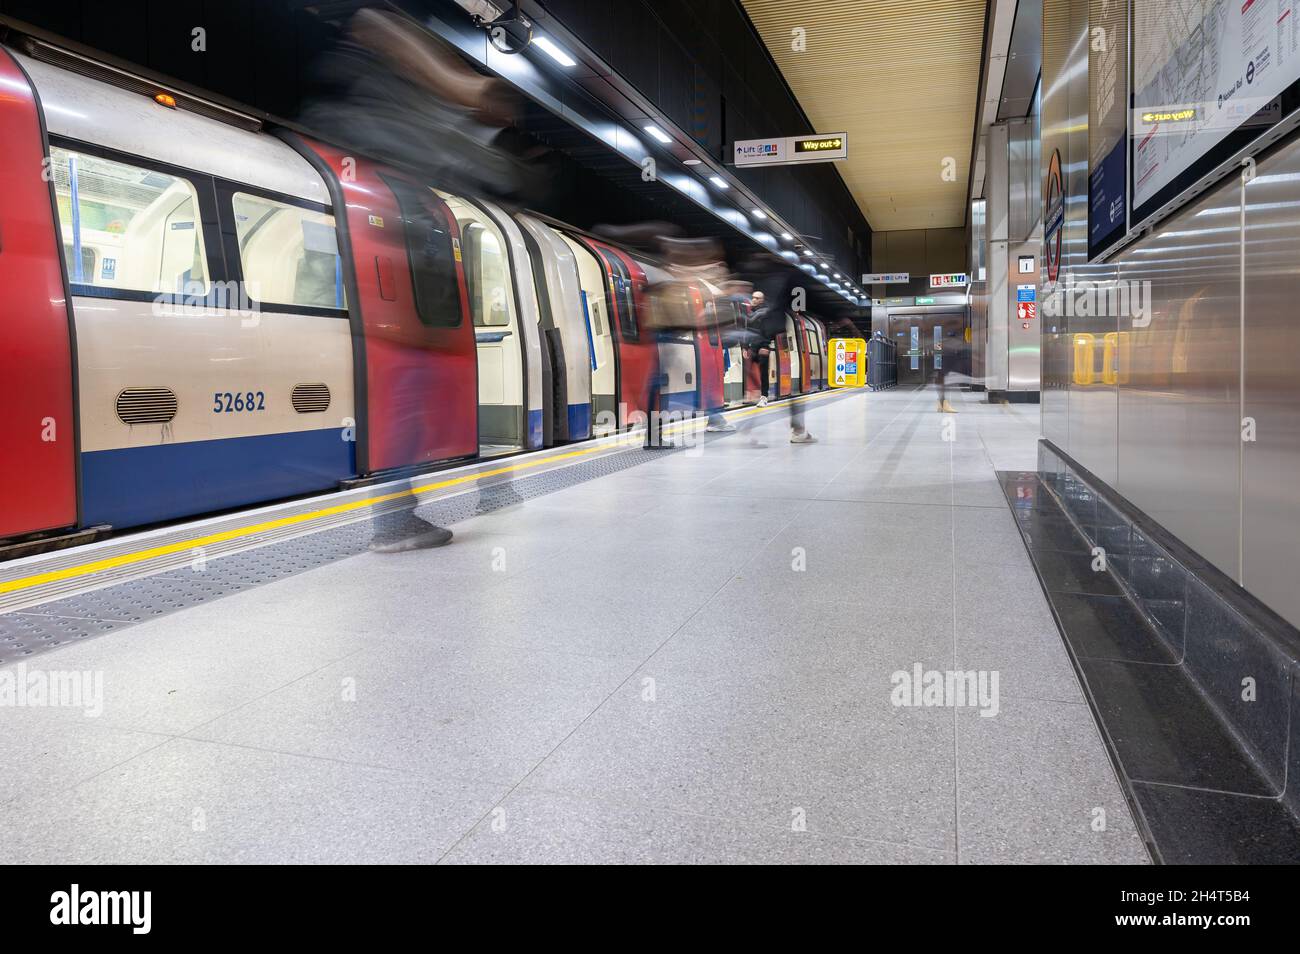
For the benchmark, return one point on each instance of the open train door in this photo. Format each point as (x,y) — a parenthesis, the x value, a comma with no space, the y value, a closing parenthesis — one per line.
(38,431)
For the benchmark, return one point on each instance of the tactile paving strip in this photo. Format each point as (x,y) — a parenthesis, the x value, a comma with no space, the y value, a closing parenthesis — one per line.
(37,629)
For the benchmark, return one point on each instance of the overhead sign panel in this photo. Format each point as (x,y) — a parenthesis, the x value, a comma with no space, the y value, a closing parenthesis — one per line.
(885,278)
(791,150)
(1200,72)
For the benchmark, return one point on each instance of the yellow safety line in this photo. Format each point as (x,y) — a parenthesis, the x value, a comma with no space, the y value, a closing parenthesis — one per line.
(140,556)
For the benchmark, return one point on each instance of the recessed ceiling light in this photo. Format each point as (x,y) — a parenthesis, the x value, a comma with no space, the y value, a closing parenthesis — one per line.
(658,133)
(548,46)
(808,252)
(718,181)
(837,274)
(691,162)
(787,236)
(759,213)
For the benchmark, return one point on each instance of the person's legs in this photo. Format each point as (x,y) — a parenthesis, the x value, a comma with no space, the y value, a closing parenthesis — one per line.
(402,530)
(798,433)
(944,406)
(718,422)
(654,438)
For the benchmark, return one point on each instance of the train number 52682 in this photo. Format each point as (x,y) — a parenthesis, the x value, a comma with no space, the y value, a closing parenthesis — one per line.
(230,403)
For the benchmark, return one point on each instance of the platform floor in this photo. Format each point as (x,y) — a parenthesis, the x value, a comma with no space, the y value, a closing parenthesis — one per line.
(631,669)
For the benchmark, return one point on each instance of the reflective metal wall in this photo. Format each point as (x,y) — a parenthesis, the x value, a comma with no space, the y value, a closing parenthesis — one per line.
(1178,438)
(1065,50)
(1162,350)
(1271,463)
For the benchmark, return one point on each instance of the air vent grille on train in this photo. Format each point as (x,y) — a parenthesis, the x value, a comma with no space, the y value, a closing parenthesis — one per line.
(146,406)
(311,398)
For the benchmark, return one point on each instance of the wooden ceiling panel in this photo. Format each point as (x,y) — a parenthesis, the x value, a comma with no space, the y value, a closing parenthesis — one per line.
(900,77)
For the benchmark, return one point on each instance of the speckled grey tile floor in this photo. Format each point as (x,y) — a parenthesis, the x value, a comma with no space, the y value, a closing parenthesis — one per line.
(685,661)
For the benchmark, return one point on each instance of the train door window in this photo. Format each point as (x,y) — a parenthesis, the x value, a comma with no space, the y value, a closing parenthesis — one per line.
(128,228)
(621,293)
(433,251)
(289,254)
(711,322)
(486,274)
(626,307)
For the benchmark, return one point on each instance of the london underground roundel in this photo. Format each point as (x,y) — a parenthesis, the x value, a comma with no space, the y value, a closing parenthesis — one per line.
(1054,216)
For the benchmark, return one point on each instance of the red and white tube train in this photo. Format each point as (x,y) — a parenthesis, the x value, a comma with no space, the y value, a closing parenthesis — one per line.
(199,314)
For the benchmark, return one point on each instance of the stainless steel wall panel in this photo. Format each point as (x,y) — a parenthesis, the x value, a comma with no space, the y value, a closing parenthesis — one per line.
(1093,306)
(1023,180)
(996,217)
(1271,463)
(1024,338)
(1179,429)
(1063,122)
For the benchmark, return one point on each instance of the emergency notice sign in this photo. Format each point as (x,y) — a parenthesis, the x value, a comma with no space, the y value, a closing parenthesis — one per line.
(1025,310)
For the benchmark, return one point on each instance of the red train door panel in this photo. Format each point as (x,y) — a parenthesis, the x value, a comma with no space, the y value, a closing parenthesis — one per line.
(637,346)
(783,365)
(711,362)
(38,434)
(801,332)
(421,363)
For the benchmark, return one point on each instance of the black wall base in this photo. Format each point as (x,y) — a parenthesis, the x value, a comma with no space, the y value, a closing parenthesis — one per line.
(999,396)
(1192,681)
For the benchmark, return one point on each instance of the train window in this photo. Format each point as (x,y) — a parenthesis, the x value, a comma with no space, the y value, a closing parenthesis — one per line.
(486,276)
(433,253)
(290,255)
(711,322)
(128,228)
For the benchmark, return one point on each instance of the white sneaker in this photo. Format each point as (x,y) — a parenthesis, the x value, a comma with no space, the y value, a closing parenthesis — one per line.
(724,427)
(802,437)
(762,401)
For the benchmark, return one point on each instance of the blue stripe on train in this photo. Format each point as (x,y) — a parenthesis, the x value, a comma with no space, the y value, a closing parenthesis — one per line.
(534,429)
(579,421)
(137,485)
(678,400)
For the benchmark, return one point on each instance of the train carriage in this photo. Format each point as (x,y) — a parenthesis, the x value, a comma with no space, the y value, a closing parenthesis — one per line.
(211,359)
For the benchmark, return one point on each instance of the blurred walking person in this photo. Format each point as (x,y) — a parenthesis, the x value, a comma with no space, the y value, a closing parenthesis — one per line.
(771,302)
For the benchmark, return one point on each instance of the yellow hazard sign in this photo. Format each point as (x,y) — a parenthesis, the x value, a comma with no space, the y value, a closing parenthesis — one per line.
(848,362)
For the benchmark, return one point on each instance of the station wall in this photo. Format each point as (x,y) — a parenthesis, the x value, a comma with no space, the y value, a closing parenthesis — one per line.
(1202,357)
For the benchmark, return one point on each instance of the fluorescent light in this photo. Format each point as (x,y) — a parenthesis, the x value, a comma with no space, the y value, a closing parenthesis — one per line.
(759,213)
(549,47)
(787,236)
(691,162)
(658,133)
(837,274)
(718,181)
(808,252)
